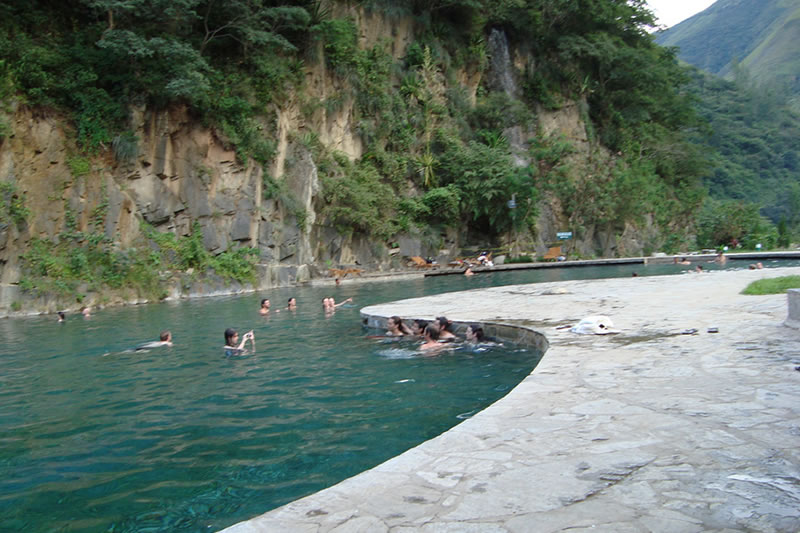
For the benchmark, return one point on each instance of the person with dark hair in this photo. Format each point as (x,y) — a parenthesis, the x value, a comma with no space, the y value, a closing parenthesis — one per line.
(444,328)
(233,349)
(61,316)
(291,305)
(431,336)
(418,327)
(264,307)
(396,327)
(165,339)
(475,333)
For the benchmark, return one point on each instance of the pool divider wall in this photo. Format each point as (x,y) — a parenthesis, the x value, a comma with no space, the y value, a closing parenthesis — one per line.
(519,335)
(793,299)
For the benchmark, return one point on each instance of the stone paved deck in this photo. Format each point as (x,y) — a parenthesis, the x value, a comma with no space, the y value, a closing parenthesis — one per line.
(647,430)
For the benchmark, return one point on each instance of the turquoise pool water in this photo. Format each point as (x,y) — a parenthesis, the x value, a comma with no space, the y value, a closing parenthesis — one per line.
(96,438)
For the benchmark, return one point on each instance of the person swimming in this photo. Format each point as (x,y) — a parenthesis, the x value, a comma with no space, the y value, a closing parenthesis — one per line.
(231,340)
(165,339)
(264,307)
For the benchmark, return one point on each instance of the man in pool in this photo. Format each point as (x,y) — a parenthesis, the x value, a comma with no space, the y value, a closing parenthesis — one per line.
(431,335)
(475,334)
(291,305)
(165,339)
(232,349)
(264,307)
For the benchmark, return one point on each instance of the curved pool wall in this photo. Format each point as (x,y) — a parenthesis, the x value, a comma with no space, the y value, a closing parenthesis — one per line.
(653,429)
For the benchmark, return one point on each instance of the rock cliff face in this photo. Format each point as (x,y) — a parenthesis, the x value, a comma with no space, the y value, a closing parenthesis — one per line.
(182,174)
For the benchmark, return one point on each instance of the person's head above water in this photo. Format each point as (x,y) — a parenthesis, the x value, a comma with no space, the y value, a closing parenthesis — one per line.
(291,303)
(432,332)
(418,327)
(443,323)
(230,336)
(165,336)
(475,333)
(265,303)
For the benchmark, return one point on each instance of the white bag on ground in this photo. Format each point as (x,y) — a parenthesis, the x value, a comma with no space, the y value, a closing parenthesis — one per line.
(594,325)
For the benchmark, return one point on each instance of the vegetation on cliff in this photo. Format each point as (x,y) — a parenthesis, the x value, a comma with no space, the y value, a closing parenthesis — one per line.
(436,155)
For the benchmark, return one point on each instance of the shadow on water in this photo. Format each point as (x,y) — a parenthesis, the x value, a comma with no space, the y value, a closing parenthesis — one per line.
(95,437)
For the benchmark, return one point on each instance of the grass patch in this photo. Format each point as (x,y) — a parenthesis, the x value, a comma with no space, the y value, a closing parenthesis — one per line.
(773,285)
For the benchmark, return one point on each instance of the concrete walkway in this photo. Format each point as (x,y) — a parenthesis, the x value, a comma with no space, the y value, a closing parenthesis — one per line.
(647,430)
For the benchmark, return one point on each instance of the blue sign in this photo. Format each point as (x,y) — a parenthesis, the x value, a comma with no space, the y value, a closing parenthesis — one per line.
(564,235)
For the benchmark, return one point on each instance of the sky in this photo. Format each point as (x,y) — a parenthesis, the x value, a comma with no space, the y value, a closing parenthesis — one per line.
(670,12)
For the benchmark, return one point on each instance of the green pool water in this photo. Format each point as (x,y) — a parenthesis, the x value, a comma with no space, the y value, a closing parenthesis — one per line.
(97,438)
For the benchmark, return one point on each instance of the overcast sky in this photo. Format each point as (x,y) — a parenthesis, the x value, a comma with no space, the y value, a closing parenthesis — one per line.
(670,12)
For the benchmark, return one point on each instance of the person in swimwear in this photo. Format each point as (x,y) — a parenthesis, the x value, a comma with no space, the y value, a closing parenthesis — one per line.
(431,336)
(444,329)
(264,307)
(475,333)
(396,327)
(232,349)
(165,339)
(291,305)
(418,327)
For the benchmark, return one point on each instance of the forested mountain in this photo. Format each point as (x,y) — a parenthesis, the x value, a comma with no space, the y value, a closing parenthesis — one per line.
(754,136)
(760,35)
(753,114)
(305,134)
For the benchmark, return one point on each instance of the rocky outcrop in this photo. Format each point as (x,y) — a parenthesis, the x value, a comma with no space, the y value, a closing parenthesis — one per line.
(177,174)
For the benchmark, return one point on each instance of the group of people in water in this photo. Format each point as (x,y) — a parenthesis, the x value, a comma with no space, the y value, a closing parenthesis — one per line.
(434,334)
(236,347)
(720,259)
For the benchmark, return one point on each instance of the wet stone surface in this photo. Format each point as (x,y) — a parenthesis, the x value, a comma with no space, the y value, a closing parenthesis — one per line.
(647,430)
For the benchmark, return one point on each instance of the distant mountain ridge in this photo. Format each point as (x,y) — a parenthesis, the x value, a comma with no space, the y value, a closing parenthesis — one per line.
(761,35)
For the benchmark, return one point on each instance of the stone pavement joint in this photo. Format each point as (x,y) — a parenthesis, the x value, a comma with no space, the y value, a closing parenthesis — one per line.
(647,430)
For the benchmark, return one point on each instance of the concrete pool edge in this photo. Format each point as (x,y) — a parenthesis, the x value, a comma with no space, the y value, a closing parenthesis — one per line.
(647,430)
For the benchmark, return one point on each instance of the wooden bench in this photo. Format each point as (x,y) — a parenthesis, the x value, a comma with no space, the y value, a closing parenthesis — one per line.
(419,262)
(552,254)
(343,272)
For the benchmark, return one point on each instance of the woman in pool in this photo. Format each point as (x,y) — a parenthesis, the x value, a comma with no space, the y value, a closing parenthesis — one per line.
(232,349)
(444,329)
(396,327)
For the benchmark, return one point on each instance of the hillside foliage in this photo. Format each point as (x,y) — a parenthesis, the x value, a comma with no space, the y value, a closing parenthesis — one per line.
(433,159)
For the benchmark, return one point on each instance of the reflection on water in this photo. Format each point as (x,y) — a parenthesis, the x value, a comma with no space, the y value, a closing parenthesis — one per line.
(95,437)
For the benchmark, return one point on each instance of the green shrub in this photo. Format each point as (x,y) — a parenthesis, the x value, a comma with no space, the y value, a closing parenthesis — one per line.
(358,200)
(12,204)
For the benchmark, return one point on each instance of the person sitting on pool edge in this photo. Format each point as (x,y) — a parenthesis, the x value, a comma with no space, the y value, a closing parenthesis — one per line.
(396,327)
(232,337)
(431,336)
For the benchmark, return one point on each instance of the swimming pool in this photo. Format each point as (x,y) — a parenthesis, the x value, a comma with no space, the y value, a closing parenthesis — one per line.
(182,439)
